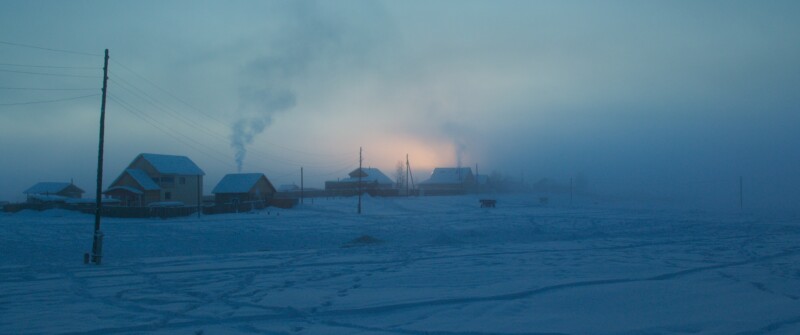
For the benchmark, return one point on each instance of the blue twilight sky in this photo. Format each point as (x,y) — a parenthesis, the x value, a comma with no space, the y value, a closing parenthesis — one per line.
(634,97)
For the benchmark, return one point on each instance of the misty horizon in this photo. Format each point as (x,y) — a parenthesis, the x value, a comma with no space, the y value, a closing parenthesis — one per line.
(641,100)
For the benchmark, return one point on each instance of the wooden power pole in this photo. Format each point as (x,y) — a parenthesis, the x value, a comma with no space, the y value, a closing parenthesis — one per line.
(741,194)
(410,175)
(407,172)
(359,178)
(570,191)
(97,242)
(302,187)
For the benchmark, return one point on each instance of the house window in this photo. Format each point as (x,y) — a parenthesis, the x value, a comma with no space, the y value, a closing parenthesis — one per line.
(182,180)
(167,195)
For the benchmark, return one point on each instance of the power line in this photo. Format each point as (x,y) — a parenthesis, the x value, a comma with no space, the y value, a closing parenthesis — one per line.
(139,93)
(210,116)
(163,107)
(188,121)
(53,66)
(197,145)
(167,92)
(47,101)
(47,89)
(49,74)
(144,117)
(348,167)
(50,49)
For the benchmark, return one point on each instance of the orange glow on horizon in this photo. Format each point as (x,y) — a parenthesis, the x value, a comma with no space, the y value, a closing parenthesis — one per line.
(422,154)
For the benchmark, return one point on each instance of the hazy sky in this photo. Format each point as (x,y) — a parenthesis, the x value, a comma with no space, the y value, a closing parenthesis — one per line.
(626,94)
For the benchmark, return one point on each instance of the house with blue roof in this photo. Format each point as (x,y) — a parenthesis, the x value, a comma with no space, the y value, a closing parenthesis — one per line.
(244,188)
(155,179)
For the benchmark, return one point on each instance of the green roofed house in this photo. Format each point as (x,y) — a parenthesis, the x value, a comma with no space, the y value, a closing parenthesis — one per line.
(154,179)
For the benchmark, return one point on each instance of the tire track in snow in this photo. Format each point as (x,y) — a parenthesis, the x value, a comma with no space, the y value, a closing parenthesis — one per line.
(772,326)
(424,332)
(290,313)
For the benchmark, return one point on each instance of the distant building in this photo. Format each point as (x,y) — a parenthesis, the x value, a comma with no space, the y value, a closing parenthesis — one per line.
(482,183)
(53,192)
(153,179)
(371,180)
(289,188)
(448,181)
(242,188)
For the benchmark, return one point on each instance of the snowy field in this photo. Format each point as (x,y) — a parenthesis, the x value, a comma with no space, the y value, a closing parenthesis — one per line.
(434,265)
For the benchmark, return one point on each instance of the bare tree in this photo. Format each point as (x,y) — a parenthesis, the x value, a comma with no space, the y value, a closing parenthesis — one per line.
(400,174)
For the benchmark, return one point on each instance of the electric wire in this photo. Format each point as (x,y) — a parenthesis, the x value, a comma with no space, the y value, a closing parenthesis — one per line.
(51,49)
(47,101)
(253,153)
(185,139)
(161,106)
(53,66)
(149,120)
(167,92)
(133,89)
(49,74)
(128,87)
(48,89)
(209,115)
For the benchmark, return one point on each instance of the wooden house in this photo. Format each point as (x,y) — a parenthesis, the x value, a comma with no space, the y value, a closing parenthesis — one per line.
(53,191)
(371,181)
(448,181)
(154,179)
(243,188)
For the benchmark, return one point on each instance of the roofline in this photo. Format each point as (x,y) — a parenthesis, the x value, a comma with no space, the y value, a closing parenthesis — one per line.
(140,155)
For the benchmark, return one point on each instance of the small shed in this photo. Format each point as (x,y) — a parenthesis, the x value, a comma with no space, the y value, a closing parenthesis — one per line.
(53,191)
(458,180)
(370,180)
(243,188)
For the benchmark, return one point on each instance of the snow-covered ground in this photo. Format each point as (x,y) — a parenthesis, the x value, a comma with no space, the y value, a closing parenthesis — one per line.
(431,265)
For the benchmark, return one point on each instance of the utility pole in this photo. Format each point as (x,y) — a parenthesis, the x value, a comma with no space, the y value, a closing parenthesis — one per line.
(97,242)
(570,191)
(408,168)
(477,180)
(741,196)
(199,197)
(407,172)
(302,187)
(359,178)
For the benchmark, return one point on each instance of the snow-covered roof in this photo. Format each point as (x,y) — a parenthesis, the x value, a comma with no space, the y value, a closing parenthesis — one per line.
(171,164)
(126,188)
(144,180)
(448,176)
(369,175)
(237,183)
(48,188)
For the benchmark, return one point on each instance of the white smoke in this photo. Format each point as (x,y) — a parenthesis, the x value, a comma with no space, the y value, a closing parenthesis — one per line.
(261,106)
(304,37)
